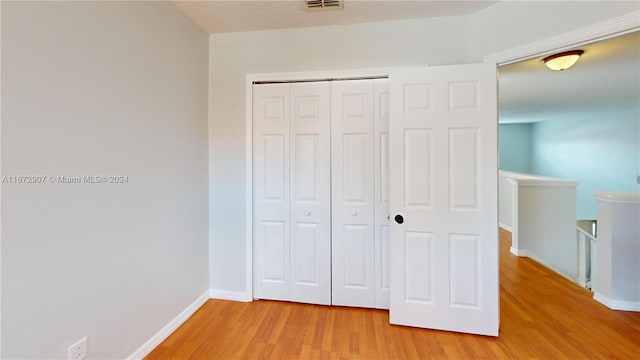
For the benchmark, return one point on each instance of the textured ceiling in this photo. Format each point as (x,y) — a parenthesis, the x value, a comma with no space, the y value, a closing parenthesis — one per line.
(605,82)
(243,15)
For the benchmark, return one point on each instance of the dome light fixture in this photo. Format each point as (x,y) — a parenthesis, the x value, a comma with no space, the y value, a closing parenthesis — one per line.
(563,60)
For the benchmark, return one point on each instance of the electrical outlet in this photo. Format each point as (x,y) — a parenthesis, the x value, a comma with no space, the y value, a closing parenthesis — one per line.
(78,351)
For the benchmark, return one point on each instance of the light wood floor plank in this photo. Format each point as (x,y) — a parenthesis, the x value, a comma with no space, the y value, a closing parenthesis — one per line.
(543,316)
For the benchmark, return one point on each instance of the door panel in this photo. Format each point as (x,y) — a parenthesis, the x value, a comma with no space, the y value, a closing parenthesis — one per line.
(310,193)
(355,151)
(270,191)
(274,245)
(444,254)
(355,256)
(305,257)
(274,167)
(418,168)
(306,167)
(464,155)
(418,267)
(465,269)
(353,204)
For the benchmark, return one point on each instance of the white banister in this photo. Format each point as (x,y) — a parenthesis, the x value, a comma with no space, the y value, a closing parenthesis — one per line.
(586,256)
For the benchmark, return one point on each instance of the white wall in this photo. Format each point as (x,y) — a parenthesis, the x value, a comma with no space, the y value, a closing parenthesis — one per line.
(101,88)
(434,41)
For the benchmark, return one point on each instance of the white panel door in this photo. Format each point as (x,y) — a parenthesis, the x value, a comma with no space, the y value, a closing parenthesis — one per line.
(271,191)
(310,259)
(381,180)
(352,161)
(443,198)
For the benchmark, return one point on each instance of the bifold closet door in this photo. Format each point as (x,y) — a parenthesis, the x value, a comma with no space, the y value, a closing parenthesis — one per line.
(381,181)
(310,192)
(359,188)
(291,182)
(271,225)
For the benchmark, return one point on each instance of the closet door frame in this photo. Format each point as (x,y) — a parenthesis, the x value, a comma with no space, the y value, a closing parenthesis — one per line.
(250,80)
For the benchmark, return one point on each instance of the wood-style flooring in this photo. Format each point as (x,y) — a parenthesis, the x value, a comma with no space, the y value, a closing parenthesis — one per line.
(543,316)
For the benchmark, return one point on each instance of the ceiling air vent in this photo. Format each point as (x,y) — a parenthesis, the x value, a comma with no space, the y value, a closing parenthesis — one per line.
(323,4)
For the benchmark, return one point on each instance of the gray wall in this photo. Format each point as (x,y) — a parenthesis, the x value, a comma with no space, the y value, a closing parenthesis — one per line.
(101,88)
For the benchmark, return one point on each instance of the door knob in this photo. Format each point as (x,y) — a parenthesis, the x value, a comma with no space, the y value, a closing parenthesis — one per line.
(399,219)
(355,213)
(308,213)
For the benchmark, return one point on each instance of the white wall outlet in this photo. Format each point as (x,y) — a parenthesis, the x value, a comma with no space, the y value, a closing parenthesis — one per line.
(78,351)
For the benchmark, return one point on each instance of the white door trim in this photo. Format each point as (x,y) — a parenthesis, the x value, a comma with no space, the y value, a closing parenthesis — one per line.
(592,33)
(603,30)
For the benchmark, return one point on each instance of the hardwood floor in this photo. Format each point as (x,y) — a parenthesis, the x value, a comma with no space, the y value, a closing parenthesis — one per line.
(543,316)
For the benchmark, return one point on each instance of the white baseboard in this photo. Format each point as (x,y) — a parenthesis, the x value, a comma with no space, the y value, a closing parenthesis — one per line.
(616,304)
(230,295)
(506,227)
(516,252)
(168,329)
(540,261)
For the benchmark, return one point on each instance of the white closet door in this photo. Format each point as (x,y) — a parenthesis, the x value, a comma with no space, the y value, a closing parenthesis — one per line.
(381,179)
(271,191)
(310,193)
(444,243)
(352,193)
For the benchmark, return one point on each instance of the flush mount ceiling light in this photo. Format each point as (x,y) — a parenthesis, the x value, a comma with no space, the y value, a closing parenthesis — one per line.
(563,60)
(323,4)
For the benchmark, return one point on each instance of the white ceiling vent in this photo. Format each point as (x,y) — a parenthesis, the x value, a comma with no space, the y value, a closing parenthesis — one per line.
(323,4)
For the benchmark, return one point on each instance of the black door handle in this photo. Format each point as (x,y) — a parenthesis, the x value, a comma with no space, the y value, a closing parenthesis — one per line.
(399,219)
